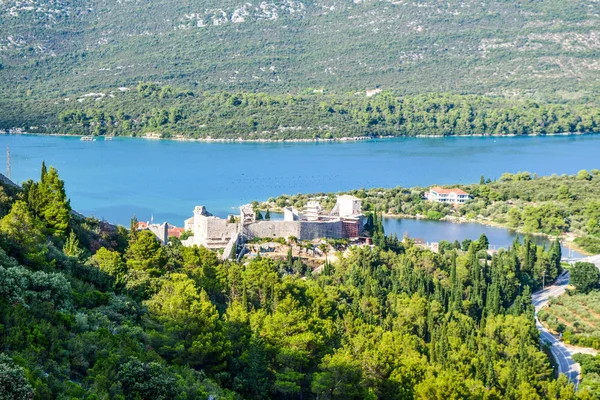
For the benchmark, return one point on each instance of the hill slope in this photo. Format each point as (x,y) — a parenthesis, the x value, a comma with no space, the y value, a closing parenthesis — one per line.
(53,48)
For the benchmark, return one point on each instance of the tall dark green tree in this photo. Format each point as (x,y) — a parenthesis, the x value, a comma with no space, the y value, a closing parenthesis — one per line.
(483,241)
(555,256)
(48,200)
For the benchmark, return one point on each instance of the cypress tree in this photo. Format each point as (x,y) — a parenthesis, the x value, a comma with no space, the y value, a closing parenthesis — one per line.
(476,291)
(555,255)
(290,258)
(456,285)
(431,333)
(493,294)
(44,172)
(133,232)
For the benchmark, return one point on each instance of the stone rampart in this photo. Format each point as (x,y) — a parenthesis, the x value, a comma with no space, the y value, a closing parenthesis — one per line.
(272,229)
(303,230)
(213,232)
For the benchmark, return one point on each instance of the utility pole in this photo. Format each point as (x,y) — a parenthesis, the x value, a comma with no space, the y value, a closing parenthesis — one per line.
(543,280)
(8,162)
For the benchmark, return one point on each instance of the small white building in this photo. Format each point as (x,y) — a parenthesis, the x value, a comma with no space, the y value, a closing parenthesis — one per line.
(453,196)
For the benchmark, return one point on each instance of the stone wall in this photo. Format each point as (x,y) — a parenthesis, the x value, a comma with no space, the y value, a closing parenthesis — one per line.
(229,251)
(303,230)
(272,229)
(212,231)
(161,231)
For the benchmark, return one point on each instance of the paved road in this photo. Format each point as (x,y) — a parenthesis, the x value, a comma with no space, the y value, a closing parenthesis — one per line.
(562,355)
(593,259)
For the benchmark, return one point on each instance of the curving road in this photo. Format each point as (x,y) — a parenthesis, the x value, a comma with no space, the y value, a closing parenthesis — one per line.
(562,355)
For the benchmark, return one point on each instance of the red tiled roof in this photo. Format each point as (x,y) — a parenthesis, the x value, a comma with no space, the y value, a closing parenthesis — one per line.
(142,225)
(440,190)
(175,232)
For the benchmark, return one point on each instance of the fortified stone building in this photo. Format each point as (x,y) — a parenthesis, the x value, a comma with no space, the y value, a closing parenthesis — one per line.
(344,221)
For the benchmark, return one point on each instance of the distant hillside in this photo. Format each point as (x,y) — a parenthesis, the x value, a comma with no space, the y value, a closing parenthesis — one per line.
(73,66)
(55,48)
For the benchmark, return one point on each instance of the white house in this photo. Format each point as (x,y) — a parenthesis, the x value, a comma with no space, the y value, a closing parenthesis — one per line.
(454,196)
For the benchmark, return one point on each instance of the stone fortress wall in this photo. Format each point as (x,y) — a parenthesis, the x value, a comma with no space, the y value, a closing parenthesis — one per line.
(217,231)
(302,230)
(345,221)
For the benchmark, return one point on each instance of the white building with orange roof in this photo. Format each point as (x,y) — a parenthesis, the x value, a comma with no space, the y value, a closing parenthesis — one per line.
(452,196)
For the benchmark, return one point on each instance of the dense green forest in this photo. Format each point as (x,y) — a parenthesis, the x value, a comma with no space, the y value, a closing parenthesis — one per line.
(297,69)
(167,112)
(92,311)
(551,205)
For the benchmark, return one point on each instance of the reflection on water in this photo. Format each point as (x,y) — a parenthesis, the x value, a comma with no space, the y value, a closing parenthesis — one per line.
(434,231)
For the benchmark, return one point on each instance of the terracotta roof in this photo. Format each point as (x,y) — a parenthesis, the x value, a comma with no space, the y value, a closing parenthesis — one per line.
(175,232)
(440,190)
(142,225)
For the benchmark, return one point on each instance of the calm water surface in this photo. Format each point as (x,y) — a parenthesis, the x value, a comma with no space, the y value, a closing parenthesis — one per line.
(434,231)
(166,179)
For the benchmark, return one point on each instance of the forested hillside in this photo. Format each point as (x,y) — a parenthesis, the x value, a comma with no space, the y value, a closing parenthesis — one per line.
(57,55)
(90,311)
(60,47)
(166,112)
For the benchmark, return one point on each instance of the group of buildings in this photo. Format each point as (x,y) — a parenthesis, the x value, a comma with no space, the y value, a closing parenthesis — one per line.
(345,220)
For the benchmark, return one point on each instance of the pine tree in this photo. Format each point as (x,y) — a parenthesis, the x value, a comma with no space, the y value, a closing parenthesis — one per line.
(267,216)
(71,247)
(57,213)
(48,201)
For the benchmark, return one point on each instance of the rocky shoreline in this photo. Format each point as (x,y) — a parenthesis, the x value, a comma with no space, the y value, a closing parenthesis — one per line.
(181,138)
